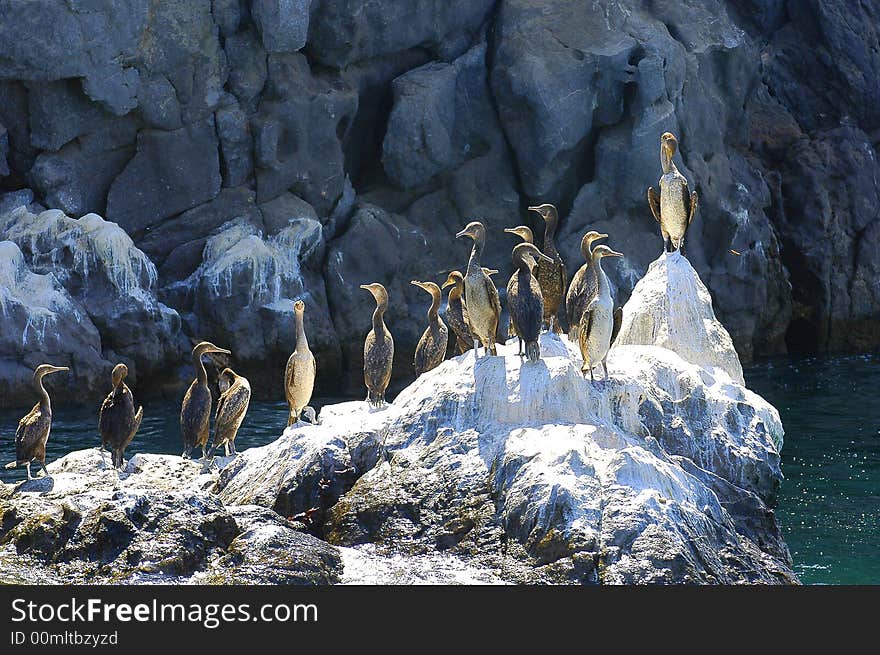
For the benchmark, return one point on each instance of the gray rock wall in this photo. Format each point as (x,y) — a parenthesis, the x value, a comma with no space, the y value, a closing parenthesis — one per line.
(393,126)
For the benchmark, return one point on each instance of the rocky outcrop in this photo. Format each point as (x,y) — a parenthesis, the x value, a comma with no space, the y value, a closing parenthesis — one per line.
(172,119)
(489,470)
(81,294)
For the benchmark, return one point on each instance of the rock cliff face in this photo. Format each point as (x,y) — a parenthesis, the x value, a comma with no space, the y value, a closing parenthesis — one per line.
(198,123)
(489,470)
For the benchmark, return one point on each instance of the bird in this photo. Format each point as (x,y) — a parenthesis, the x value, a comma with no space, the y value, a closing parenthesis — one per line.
(524,232)
(195,411)
(675,207)
(551,275)
(524,300)
(33,430)
(378,349)
(299,374)
(480,294)
(583,286)
(456,311)
(431,348)
(118,421)
(597,321)
(232,406)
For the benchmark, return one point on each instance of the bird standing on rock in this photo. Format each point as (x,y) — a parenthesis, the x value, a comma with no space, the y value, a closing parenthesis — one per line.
(299,375)
(118,421)
(431,348)
(480,294)
(551,275)
(195,411)
(524,300)
(33,430)
(232,406)
(597,322)
(456,311)
(583,286)
(378,349)
(675,207)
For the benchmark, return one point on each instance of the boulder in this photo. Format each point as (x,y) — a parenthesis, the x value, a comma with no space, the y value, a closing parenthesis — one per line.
(283,24)
(298,130)
(110,279)
(171,172)
(670,307)
(345,31)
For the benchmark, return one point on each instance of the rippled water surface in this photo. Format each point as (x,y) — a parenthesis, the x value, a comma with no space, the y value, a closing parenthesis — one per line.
(829,506)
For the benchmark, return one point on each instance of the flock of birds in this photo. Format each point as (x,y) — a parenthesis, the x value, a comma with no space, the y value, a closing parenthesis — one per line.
(536,291)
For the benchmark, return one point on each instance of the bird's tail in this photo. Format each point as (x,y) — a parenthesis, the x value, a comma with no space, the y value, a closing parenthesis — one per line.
(11,465)
(533,351)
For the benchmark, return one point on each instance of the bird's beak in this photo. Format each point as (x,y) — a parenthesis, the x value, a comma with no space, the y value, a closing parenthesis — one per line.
(534,209)
(463,233)
(420,285)
(449,282)
(545,258)
(510,230)
(613,253)
(58,369)
(602,236)
(222,351)
(366,287)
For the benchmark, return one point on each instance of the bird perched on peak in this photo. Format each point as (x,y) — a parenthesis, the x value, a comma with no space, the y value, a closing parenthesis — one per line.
(33,430)
(674,209)
(300,372)
(551,276)
(378,349)
(480,294)
(597,322)
(431,348)
(583,285)
(524,300)
(118,421)
(195,410)
(235,396)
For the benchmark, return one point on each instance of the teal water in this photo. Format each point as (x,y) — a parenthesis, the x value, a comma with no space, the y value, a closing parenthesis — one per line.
(829,505)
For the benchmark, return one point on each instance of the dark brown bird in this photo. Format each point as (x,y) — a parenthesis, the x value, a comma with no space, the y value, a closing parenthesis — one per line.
(299,375)
(480,294)
(232,406)
(431,349)
(524,301)
(675,207)
(551,276)
(195,411)
(584,286)
(33,430)
(456,312)
(378,349)
(118,421)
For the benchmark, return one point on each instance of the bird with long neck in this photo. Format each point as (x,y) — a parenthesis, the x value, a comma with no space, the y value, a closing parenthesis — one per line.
(583,286)
(551,275)
(301,369)
(118,421)
(597,321)
(524,300)
(195,411)
(480,294)
(431,348)
(456,311)
(235,397)
(378,349)
(33,429)
(675,207)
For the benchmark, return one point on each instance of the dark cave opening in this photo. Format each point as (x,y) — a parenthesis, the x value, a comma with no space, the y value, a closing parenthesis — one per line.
(802,337)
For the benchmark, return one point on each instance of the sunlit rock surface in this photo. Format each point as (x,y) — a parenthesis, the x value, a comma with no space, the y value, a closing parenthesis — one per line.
(482,471)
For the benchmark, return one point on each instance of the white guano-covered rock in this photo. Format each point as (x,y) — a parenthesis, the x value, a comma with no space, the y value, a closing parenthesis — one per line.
(671,307)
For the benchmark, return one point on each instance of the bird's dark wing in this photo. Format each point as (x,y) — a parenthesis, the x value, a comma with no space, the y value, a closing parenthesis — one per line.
(618,320)
(26,425)
(135,426)
(694,203)
(654,203)
(493,295)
